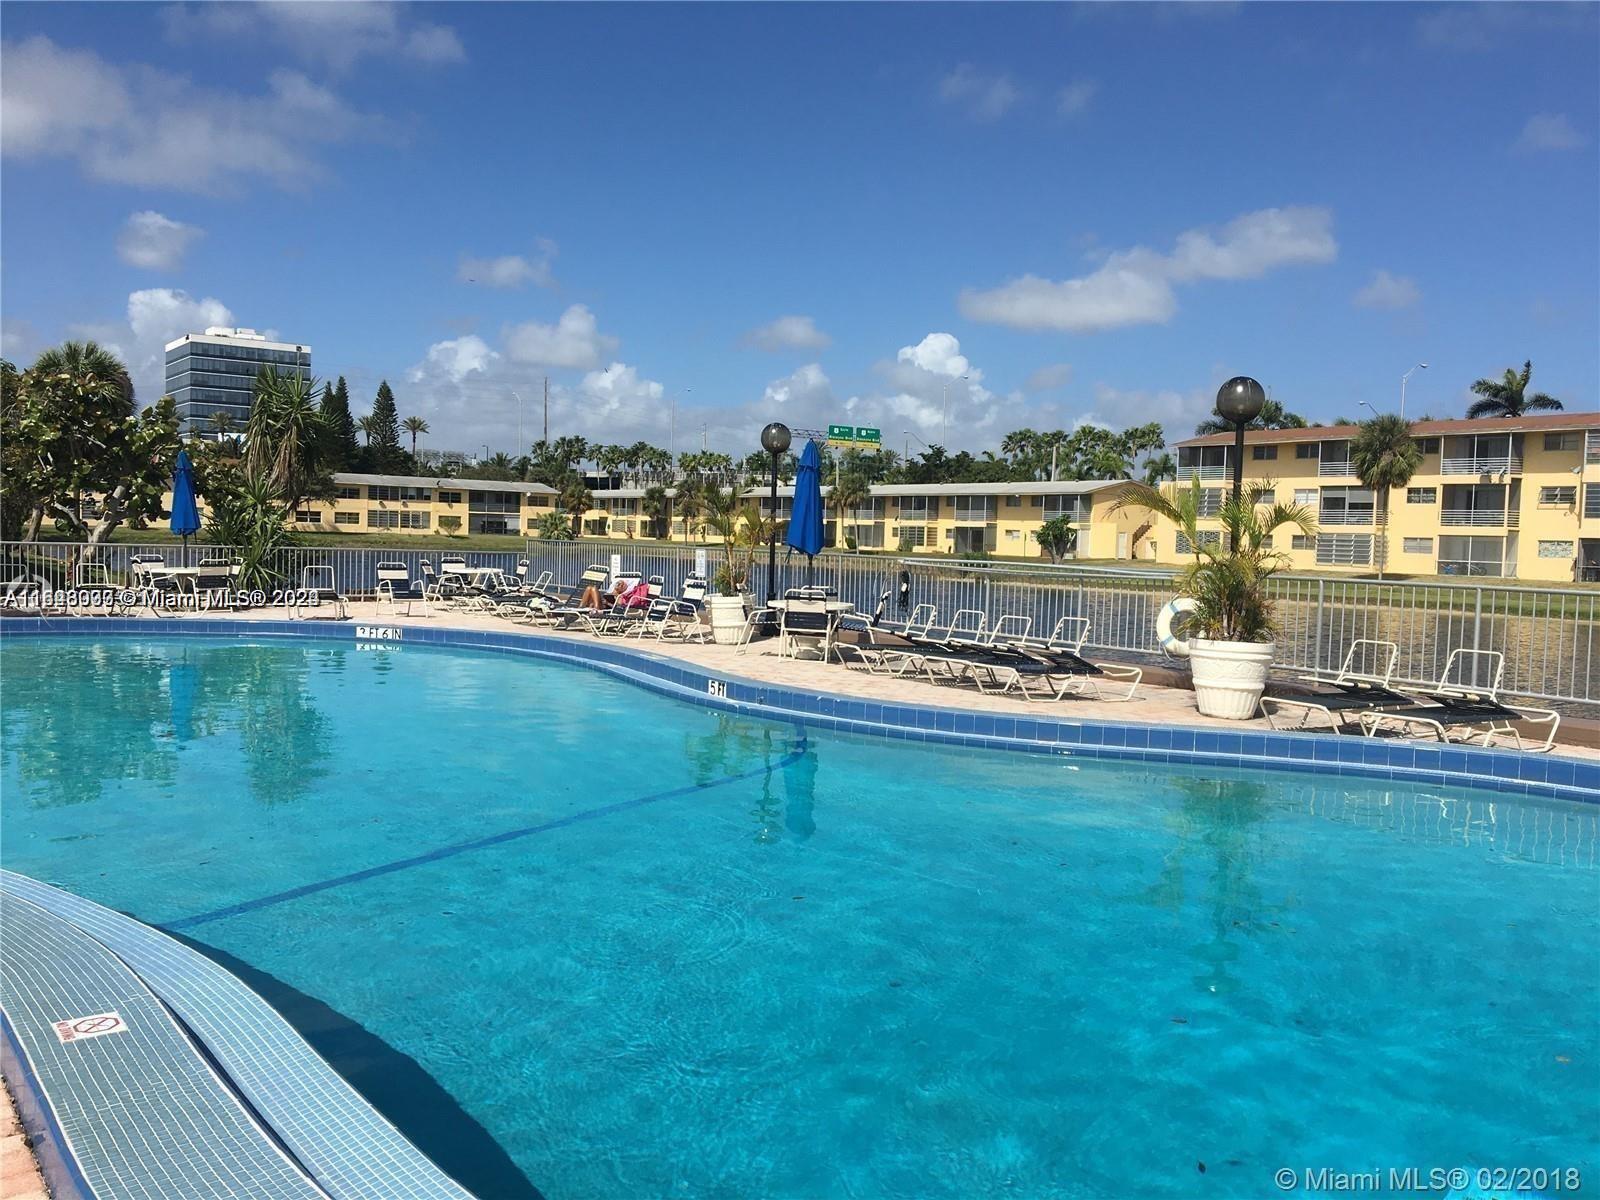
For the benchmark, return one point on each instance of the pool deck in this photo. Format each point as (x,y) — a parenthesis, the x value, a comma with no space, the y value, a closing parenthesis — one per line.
(760,663)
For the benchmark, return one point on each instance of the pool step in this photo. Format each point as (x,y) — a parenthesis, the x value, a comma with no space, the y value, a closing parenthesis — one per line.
(141,1113)
(343,1144)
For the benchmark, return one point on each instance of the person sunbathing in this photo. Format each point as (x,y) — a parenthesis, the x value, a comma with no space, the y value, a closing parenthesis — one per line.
(597,601)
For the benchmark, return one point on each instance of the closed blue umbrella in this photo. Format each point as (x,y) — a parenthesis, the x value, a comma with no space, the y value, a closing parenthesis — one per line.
(805,520)
(185,513)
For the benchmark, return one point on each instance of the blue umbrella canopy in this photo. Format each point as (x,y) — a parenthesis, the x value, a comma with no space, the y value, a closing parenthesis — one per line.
(805,523)
(185,514)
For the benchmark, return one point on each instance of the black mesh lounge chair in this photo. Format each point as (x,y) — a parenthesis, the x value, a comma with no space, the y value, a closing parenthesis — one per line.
(1466,707)
(1036,675)
(1361,685)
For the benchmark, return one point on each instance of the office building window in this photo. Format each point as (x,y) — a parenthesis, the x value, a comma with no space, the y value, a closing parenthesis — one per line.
(347,491)
(1564,495)
(347,518)
(382,518)
(449,497)
(1422,495)
(307,516)
(413,520)
(1557,549)
(1570,440)
(1263,453)
(390,492)
(1417,545)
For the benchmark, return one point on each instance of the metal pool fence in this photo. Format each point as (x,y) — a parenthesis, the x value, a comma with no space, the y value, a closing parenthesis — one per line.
(1548,636)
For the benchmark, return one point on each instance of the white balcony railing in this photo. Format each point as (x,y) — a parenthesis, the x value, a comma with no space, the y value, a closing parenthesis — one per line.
(1210,471)
(1359,517)
(1334,466)
(1495,464)
(1472,516)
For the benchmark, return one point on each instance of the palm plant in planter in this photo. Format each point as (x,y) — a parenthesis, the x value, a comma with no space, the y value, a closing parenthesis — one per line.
(743,530)
(1231,612)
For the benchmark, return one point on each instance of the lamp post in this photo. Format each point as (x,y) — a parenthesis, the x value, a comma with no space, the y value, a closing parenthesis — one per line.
(774,440)
(1403,378)
(1239,401)
(944,404)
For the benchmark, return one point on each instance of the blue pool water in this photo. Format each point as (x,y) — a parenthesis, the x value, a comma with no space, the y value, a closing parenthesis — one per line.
(653,950)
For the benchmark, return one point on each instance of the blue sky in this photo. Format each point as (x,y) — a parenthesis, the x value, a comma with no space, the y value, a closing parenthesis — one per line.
(816,213)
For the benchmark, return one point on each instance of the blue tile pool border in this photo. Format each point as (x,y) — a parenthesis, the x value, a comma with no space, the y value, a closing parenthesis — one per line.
(1510,772)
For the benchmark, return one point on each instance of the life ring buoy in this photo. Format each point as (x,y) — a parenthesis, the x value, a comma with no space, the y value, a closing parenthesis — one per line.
(1169,616)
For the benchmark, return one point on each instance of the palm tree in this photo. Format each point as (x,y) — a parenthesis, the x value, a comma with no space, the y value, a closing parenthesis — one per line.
(414,426)
(1384,455)
(1272,416)
(1507,396)
(849,493)
(366,426)
(96,370)
(657,505)
(1159,468)
(1228,577)
(576,499)
(286,439)
(1018,444)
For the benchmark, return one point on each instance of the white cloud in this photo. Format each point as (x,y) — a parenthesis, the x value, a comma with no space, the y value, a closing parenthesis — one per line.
(1074,99)
(938,354)
(984,97)
(155,242)
(145,127)
(19,342)
(788,333)
(511,270)
(574,340)
(1135,287)
(1177,412)
(455,359)
(800,392)
(1047,379)
(1482,28)
(155,316)
(1549,131)
(1387,291)
(329,34)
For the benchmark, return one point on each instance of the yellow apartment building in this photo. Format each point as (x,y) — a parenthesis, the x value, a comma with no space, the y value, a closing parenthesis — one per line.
(1510,497)
(951,518)
(412,505)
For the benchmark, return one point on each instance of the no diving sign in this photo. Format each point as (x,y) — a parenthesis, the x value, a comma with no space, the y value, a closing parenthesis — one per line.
(75,1029)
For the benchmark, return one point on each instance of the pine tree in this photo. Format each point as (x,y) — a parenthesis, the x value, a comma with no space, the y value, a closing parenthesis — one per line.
(384,444)
(345,451)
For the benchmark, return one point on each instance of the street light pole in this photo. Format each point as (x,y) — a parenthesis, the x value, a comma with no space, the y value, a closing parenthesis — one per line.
(774,440)
(1239,401)
(1403,378)
(944,424)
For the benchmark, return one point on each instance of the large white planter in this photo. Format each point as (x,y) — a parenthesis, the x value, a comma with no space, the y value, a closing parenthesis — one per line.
(727,619)
(1229,677)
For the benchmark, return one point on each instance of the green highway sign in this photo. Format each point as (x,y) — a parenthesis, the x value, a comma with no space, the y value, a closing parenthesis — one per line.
(841,433)
(863,434)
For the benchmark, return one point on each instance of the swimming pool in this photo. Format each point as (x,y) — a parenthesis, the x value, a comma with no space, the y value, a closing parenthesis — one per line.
(645,948)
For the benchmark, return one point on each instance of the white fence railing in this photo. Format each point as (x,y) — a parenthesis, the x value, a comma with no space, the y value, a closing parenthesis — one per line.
(1494,464)
(1550,637)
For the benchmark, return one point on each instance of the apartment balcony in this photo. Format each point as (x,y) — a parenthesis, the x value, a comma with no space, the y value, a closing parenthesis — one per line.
(1364,517)
(1495,464)
(1209,471)
(1336,467)
(1487,517)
